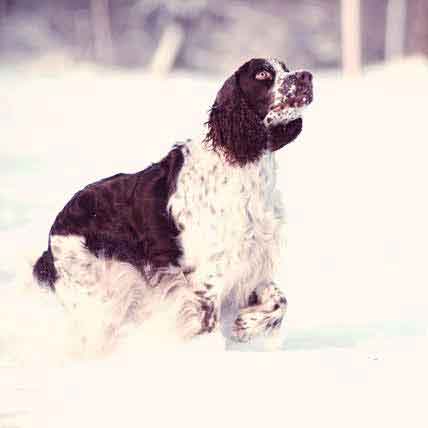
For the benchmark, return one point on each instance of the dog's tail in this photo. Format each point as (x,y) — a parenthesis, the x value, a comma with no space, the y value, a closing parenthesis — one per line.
(44,270)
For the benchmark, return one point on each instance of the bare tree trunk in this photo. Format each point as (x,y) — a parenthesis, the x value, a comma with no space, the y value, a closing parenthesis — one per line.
(83,35)
(103,45)
(167,50)
(3,12)
(351,36)
(417,36)
(395,36)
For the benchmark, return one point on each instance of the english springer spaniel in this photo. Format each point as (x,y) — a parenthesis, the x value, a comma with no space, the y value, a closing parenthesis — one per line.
(199,230)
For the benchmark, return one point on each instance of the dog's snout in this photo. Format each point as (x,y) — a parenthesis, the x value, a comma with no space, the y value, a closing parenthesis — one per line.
(297,89)
(298,81)
(304,76)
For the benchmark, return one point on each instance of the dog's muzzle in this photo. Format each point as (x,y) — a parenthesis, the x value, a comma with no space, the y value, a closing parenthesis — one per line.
(294,93)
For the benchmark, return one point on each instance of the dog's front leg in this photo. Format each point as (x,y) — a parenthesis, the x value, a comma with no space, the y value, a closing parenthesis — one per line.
(197,306)
(263,315)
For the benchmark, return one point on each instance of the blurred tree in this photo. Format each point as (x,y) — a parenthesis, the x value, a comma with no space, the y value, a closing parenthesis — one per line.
(351,36)
(395,33)
(176,15)
(103,45)
(3,11)
(417,23)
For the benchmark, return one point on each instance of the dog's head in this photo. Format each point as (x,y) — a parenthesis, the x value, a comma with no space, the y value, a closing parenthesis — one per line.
(258,108)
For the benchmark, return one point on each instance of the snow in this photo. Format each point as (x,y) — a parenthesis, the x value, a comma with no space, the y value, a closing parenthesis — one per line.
(354,271)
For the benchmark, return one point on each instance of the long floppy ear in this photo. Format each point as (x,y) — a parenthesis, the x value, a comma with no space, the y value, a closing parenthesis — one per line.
(234,128)
(280,135)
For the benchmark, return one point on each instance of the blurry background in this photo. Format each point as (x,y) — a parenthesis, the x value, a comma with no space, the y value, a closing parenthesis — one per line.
(213,36)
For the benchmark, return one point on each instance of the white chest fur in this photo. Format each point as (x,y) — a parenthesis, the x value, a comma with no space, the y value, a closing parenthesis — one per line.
(230,218)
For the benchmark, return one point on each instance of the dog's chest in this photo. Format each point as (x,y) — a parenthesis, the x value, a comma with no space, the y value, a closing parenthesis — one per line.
(228,216)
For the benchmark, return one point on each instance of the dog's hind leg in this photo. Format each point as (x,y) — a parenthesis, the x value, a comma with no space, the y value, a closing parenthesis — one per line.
(95,292)
(195,308)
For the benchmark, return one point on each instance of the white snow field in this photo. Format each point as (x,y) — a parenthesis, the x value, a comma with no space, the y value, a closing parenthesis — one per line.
(355,269)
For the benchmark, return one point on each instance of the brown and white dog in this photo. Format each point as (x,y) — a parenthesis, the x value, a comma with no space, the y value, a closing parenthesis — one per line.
(200,229)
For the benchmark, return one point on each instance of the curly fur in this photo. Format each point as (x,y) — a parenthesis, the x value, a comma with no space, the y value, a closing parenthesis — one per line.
(282,134)
(234,128)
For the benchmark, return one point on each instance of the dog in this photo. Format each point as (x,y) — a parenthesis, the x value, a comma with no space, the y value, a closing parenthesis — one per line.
(200,230)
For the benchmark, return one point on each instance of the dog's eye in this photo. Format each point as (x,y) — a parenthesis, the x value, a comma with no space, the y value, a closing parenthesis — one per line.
(263,75)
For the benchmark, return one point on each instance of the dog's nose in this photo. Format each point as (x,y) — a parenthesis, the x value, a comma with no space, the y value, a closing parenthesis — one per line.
(304,76)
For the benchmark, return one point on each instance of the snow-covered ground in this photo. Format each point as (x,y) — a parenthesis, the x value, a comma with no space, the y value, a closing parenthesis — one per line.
(355,269)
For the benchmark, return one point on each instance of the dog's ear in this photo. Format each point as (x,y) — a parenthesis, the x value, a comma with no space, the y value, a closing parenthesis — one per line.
(233,127)
(280,135)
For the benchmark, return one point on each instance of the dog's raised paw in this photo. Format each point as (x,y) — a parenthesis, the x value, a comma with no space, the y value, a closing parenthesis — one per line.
(252,323)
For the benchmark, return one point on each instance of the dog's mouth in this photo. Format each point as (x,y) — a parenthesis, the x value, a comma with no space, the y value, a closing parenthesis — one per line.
(298,101)
(289,108)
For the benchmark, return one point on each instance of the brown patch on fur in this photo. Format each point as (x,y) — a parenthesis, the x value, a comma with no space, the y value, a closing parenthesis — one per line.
(235,129)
